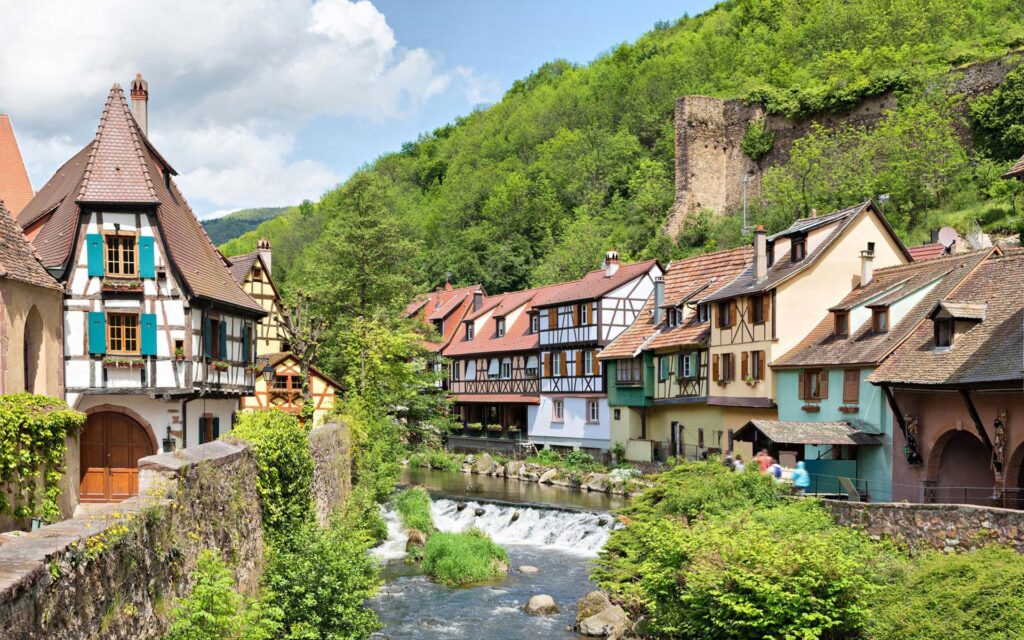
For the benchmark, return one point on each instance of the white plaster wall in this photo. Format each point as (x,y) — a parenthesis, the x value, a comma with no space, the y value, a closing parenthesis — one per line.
(163,413)
(607,306)
(574,428)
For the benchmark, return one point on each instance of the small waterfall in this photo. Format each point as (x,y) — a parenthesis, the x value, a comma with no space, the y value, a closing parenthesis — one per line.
(393,548)
(578,532)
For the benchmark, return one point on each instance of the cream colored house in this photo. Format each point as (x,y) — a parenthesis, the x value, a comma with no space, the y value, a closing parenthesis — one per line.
(252,272)
(284,391)
(796,276)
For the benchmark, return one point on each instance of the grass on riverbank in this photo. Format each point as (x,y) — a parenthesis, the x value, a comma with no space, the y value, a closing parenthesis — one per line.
(455,559)
(413,507)
(435,459)
(576,461)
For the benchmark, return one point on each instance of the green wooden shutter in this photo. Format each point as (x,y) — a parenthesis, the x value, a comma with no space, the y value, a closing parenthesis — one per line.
(148,322)
(94,252)
(246,343)
(223,340)
(97,332)
(207,338)
(147,261)
(202,429)
(216,428)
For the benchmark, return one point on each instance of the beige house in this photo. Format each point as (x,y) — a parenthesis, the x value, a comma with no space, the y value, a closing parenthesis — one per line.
(252,272)
(284,390)
(796,276)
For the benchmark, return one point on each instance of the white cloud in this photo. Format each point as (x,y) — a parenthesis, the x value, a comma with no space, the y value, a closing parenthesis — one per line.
(232,83)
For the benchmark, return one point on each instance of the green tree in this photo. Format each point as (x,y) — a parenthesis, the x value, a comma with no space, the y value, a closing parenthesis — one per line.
(997,121)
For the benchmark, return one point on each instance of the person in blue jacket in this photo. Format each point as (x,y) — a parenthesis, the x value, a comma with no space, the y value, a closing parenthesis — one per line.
(801,479)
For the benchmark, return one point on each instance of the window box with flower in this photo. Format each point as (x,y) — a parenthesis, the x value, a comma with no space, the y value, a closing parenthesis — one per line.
(179,354)
(220,365)
(123,362)
(122,285)
(475,426)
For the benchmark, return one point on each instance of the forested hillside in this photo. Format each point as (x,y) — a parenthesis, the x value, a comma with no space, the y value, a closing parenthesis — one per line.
(577,159)
(236,223)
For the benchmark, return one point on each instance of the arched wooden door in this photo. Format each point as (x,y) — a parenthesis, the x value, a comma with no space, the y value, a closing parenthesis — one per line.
(111,445)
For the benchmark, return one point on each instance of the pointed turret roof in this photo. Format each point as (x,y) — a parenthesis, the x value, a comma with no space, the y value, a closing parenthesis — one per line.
(120,166)
(15,187)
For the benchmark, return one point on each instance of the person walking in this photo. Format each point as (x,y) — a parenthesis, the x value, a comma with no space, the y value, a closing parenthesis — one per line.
(737,464)
(728,460)
(801,479)
(764,461)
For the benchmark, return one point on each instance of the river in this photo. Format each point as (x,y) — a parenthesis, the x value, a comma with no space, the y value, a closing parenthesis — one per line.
(558,530)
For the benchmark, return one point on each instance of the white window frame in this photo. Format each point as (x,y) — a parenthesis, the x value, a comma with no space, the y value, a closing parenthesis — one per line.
(506,369)
(535,323)
(469,331)
(588,363)
(456,370)
(688,362)
(556,364)
(499,327)
(557,411)
(593,411)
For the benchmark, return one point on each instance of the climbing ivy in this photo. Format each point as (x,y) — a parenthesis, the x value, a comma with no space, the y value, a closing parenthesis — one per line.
(33,434)
(758,140)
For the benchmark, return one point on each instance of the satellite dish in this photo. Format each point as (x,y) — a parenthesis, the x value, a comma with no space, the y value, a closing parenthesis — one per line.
(948,237)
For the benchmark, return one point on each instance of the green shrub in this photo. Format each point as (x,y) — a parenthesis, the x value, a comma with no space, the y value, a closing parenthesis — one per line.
(361,515)
(321,579)
(547,457)
(33,437)
(285,467)
(578,460)
(442,460)
(416,461)
(377,447)
(460,558)
(214,610)
(619,453)
(413,507)
(757,140)
(970,596)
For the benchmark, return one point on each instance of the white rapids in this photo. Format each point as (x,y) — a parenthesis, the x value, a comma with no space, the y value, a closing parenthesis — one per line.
(393,548)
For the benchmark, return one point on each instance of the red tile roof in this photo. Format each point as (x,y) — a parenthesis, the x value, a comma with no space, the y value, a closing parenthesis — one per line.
(121,166)
(448,304)
(17,259)
(15,187)
(596,284)
(688,279)
(926,251)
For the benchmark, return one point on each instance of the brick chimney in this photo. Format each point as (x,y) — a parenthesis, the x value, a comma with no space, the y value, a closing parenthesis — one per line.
(140,105)
(611,263)
(659,299)
(263,249)
(760,252)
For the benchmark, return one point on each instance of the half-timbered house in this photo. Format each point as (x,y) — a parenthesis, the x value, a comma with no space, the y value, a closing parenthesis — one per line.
(573,326)
(658,367)
(158,336)
(252,272)
(795,277)
(443,312)
(284,390)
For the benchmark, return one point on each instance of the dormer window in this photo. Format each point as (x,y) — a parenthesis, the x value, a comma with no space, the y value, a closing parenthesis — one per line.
(534,323)
(771,253)
(702,313)
(842,321)
(469,331)
(439,326)
(943,332)
(674,317)
(880,319)
(798,249)
(499,327)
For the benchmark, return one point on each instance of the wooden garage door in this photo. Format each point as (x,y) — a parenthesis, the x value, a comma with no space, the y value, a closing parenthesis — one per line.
(111,445)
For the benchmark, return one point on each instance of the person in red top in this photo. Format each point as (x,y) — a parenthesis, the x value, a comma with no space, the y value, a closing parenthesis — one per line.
(764,460)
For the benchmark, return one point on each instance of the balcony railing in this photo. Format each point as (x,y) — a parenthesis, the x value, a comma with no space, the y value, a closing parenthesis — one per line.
(507,386)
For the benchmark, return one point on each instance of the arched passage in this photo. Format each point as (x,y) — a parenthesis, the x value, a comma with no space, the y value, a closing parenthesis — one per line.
(1015,479)
(961,468)
(32,352)
(110,447)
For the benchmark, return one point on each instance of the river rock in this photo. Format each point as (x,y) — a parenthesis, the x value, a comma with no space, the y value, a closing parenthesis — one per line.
(479,511)
(591,604)
(562,481)
(609,622)
(547,476)
(513,468)
(596,482)
(541,605)
(484,464)
(529,569)
(515,516)
(460,507)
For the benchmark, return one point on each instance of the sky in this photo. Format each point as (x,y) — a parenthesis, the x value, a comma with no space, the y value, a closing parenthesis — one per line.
(268,102)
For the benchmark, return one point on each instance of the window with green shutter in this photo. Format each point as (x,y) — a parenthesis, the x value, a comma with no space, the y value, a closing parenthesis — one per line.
(223,340)
(208,337)
(148,322)
(247,343)
(94,254)
(147,259)
(216,428)
(97,332)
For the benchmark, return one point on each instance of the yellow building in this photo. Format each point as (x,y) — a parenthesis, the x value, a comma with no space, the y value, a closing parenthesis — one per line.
(284,389)
(252,272)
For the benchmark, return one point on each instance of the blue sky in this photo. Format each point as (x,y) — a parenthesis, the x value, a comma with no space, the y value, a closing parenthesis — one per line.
(267,102)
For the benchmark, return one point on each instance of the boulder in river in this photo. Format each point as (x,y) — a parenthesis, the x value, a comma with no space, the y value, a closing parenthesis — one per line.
(513,468)
(593,603)
(541,605)
(528,569)
(515,516)
(610,622)
(596,482)
(460,507)
(548,476)
(479,511)
(484,464)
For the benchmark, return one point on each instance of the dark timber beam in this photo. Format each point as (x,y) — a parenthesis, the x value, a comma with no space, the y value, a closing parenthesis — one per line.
(913,455)
(966,395)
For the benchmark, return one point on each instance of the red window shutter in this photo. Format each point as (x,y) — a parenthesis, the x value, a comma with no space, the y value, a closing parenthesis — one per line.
(851,386)
(745,365)
(714,368)
(823,384)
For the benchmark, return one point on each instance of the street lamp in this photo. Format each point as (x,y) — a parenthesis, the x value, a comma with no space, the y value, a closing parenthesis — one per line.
(268,373)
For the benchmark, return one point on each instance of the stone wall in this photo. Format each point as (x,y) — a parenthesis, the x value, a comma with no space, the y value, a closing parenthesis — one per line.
(950,527)
(710,166)
(115,572)
(330,446)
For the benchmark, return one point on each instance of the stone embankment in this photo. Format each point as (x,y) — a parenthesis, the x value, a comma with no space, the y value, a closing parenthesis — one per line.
(617,482)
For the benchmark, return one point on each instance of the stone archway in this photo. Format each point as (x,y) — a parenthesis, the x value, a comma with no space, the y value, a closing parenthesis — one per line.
(109,450)
(32,352)
(959,469)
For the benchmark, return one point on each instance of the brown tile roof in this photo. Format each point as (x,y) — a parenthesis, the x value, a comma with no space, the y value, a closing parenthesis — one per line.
(15,187)
(782,268)
(965,310)
(926,251)
(241,266)
(121,166)
(833,433)
(989,353)
(595,284)
(17,259)
(1017,170)
(439,305)
(822,347)
(685,280)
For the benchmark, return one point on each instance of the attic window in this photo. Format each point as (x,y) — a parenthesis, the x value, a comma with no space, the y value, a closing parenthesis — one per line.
(674,317)
(439,326)
(943,332)
(702,313)
(469,331)
(880,319)
(499,327)
(798,251)
(534,323)
(842,319)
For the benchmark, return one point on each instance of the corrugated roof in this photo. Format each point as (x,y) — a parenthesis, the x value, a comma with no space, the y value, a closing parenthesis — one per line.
(822,347)
(121,166)
(15,186)
(783,268)
(990,353)
(17,259)
(828,433)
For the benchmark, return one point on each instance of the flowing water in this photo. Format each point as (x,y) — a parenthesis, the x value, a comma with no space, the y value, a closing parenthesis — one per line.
(561,542)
